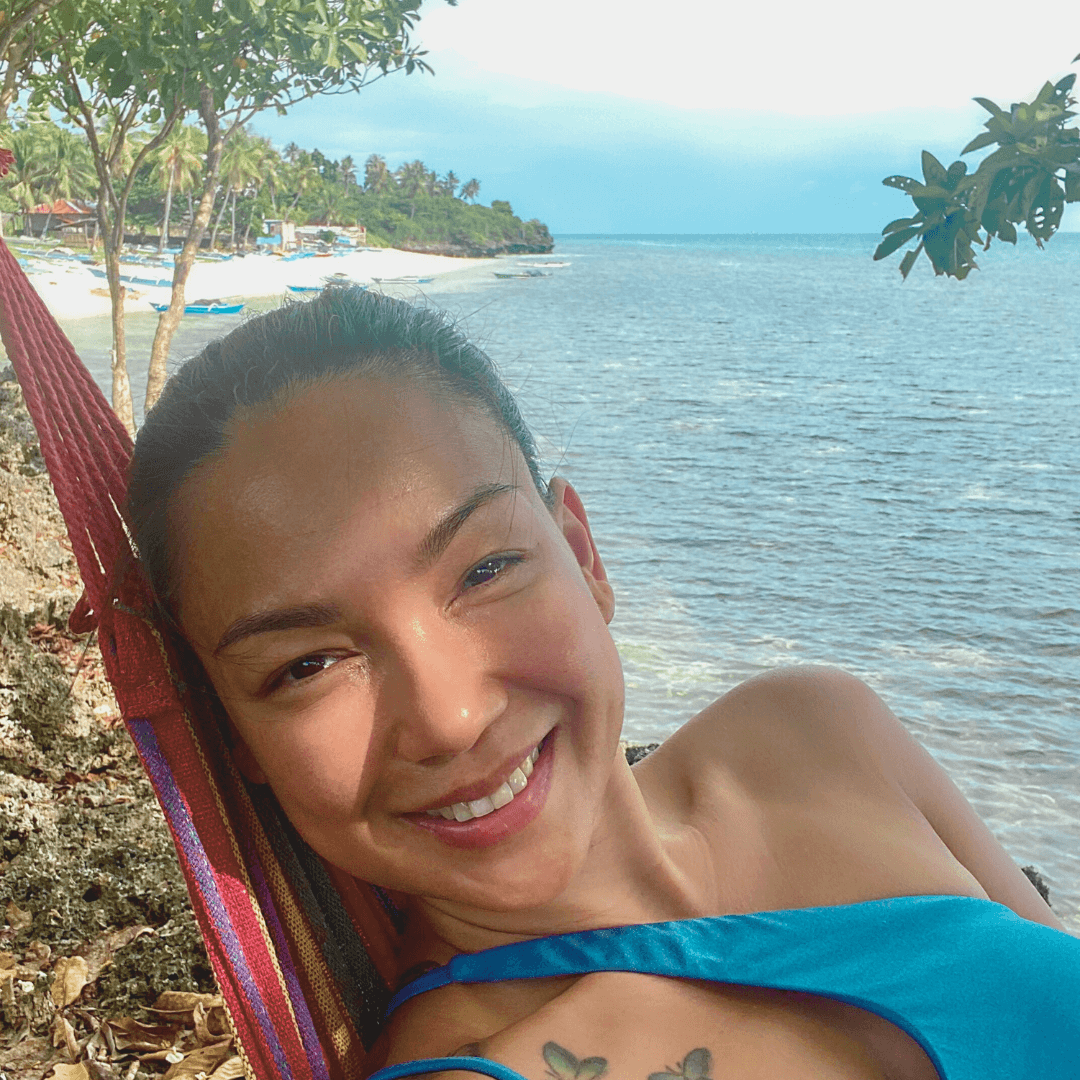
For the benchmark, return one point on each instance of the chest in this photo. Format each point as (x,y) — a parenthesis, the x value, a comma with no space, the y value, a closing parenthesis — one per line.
(638,1026)
(852,842)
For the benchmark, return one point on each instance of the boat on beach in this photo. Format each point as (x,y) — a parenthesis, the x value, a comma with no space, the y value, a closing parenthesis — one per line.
(205,307)
(405,279)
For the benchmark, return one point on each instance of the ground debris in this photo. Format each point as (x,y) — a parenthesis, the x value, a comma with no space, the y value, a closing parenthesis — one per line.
(95,922)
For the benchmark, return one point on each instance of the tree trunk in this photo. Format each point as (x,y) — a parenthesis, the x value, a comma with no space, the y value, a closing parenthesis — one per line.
(233,237)
(121,385)
(168,210)
(217,220)
(170,319)
(45,227)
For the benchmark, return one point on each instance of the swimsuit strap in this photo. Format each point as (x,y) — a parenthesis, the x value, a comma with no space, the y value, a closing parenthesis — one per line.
(983,991)
(461,1064)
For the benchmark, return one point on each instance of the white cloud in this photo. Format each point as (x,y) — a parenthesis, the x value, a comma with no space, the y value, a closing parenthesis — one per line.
(833,57)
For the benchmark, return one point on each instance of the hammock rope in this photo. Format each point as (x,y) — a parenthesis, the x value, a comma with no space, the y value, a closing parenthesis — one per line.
(304,955)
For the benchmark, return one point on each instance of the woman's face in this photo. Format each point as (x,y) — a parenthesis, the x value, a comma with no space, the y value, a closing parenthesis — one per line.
(395,621)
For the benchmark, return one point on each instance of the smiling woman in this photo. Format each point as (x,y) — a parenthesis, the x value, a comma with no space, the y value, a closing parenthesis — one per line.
(342,516)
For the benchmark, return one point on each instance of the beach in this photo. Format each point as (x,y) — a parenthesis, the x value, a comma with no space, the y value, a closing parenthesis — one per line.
(71,291)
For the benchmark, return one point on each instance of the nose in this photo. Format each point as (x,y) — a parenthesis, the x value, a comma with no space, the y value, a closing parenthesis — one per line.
(439,694)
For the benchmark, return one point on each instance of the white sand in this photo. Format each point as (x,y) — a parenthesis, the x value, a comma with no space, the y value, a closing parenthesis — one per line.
(70,291)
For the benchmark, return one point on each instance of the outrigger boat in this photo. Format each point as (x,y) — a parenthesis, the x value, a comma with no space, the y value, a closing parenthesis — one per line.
(521,273)
(205,307)
(407,279)
(333,279)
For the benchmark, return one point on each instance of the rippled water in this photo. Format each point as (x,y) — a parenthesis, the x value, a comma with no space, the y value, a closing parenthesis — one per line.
(790,456)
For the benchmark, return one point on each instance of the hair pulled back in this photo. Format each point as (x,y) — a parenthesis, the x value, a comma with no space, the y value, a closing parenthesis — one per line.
(345,331)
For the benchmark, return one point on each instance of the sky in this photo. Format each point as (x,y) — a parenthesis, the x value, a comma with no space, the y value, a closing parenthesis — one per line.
(705,117)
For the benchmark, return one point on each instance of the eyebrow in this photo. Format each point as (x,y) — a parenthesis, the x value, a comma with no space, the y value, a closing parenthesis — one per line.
(307,616)
(302,616)
(446,528)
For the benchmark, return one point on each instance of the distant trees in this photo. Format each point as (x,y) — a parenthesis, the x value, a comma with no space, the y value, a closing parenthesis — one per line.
(125,73)
(1027,180)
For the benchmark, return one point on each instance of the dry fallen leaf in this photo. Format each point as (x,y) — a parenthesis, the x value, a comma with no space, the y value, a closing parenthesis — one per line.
(70,1072)
(63,1034)
(71,975)
(179,1001)
(18,919)
(129,1034)
(230,1069)
(204,1060)
(211,1023)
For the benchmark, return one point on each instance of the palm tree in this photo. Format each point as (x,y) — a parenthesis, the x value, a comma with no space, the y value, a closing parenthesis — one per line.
(240,166)
(470,190)
(27,173)
(412,179)
(177,165)
(68,169)
(348,171)
(450,184)
(303,173)
(377,178)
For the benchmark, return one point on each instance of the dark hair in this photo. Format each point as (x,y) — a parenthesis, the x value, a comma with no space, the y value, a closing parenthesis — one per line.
(343,331)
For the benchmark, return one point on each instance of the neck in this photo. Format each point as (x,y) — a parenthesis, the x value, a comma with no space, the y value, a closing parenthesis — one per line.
(632,873)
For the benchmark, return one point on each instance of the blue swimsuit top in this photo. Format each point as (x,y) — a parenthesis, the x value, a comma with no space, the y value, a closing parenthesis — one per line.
(987,994)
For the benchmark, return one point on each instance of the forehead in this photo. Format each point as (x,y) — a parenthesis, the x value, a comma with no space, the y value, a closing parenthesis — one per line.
(358,459)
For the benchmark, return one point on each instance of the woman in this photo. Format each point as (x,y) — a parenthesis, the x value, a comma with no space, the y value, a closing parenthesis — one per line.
(340,509)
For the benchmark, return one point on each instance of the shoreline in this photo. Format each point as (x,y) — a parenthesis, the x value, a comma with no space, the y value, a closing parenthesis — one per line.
(71,291)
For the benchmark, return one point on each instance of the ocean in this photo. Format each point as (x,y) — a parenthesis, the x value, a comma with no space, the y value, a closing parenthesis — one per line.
(789,455)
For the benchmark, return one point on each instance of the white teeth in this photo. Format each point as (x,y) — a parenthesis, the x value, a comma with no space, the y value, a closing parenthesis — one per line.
(515,784)
(481,807)
(502,796)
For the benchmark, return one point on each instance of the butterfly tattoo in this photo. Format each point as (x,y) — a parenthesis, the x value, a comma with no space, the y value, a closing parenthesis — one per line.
(562,1065)
(695,1066)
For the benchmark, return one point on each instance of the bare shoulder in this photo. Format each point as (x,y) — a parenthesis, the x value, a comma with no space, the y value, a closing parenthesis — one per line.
(815,719)
(792,729)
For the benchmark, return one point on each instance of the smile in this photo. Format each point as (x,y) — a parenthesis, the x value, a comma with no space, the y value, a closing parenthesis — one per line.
(513,785)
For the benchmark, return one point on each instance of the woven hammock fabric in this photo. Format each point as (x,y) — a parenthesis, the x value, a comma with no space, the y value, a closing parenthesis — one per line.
(304,954)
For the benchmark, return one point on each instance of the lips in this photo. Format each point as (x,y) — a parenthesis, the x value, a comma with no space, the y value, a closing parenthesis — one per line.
(513,785)
(501,822)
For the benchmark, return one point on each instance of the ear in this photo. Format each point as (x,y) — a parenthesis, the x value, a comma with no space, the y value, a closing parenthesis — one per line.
(569,514)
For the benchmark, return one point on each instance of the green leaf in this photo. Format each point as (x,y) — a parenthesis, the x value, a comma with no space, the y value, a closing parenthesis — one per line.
(985,139)
(933,170)
(899,223)
(1045,94)
(908,261)
(904,183)
(990,107)
(891,243)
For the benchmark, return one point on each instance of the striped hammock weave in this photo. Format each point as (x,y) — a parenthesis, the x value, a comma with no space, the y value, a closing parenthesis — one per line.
(304,954)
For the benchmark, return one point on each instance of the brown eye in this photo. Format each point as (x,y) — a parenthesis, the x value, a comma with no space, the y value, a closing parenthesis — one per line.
(308,666)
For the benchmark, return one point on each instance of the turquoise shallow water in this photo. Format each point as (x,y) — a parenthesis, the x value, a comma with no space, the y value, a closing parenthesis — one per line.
(790,456)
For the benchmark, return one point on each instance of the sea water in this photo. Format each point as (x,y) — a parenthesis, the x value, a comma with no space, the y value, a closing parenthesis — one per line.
(789,456)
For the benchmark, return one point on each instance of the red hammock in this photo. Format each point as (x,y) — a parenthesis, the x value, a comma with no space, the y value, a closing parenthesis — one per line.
(303,953)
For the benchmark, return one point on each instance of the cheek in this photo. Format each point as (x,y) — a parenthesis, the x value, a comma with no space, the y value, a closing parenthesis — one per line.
(316,763)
